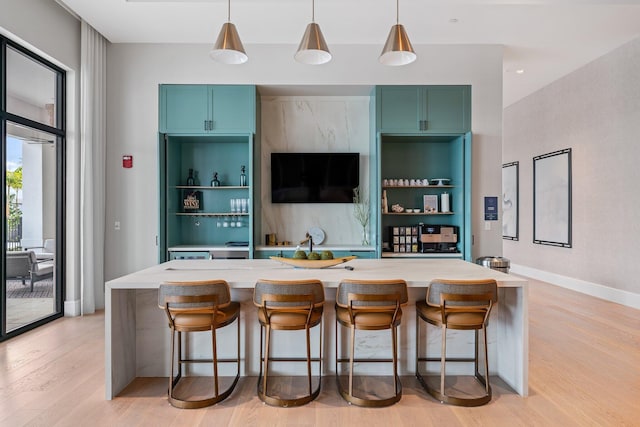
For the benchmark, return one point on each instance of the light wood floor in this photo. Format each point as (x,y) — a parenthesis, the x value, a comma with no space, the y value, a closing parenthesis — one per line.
(584,371)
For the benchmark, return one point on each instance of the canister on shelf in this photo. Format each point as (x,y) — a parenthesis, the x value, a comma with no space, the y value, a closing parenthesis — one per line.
(444,202)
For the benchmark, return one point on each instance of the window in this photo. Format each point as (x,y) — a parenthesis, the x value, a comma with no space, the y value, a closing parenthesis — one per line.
(33,140)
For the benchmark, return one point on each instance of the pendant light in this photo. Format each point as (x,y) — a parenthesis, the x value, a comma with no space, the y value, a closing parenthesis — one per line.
(313,49)
(397,50)
(228,48)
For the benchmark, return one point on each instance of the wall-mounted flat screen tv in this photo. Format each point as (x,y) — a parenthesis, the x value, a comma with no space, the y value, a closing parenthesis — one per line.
(314,177)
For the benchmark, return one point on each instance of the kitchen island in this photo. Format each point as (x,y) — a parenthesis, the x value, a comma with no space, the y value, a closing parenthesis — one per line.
(137,336)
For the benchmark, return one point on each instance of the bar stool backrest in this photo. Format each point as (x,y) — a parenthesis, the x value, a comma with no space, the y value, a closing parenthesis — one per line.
(437,287)
(217,288)
(288,287)
(371,287)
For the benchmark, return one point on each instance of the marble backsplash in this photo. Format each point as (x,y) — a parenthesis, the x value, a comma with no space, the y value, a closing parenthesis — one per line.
(313,124)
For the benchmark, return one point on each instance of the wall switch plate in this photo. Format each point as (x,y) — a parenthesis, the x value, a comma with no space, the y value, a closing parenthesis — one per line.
(116,225)
(487,225)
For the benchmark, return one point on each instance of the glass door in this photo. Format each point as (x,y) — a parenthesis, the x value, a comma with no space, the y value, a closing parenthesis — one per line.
(32,131)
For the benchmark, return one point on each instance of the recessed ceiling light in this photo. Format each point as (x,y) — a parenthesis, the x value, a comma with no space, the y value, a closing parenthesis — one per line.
(453,20)
(520,71)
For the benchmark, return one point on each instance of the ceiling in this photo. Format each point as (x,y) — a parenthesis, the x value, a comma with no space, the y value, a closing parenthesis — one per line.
(544,39)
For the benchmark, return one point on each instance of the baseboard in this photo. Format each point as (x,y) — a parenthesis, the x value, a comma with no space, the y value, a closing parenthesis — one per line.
(627,298)
(72,308)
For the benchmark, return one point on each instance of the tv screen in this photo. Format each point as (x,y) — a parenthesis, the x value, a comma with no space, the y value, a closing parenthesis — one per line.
(314,177)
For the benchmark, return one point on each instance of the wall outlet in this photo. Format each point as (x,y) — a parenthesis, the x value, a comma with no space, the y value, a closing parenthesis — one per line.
(116,225)
(487,225)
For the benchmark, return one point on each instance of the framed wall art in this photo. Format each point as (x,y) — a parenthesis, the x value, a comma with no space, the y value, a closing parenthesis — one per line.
(552,199)
(510,200)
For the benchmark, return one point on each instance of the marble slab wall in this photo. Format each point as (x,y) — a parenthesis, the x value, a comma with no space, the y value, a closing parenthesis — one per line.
(314,124)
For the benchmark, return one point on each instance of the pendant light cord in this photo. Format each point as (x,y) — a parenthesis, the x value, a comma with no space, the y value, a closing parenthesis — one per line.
(397,11)
(228,10)
(313,11)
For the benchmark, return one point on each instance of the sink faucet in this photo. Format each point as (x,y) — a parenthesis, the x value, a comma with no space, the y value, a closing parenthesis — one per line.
(309,239)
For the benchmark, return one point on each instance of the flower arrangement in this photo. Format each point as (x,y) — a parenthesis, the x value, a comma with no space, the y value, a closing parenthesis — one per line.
(361,212)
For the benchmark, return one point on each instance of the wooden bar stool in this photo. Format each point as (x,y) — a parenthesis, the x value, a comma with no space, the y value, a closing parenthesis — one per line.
(197,307)
(369,305)
(288,306)
(461,305)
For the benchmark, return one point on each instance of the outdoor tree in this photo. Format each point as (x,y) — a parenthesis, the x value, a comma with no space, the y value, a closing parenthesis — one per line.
(13,182)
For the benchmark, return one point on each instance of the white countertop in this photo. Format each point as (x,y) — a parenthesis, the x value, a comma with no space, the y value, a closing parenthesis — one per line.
(243,273)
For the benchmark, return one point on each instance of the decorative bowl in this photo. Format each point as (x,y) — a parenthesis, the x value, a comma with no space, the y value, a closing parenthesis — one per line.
(309,263)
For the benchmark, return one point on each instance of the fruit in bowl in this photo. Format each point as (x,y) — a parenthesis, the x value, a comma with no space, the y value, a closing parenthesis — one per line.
(300,255)
(326,255)
(313,256)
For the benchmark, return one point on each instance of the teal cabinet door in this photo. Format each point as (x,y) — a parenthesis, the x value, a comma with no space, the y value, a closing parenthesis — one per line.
(398,108)
(206,109)
(233,109)
(423,109)
(183,108)
(447,109)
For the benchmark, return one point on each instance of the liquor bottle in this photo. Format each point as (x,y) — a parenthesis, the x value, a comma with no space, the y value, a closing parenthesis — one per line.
(243,177)
(190,180)
(215,182)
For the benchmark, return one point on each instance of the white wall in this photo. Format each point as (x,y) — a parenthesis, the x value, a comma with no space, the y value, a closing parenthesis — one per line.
(134,72)
(595,111)
(48,30)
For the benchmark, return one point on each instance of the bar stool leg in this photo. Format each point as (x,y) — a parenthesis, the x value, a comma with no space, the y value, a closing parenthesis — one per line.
(266,358)
(486,359)
(308,359)
(443,359)
(173,339)
(215,360)
(179,356)
(351,356)
(394,346)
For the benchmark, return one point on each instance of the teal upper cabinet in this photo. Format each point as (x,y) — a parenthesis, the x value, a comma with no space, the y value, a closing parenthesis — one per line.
(204,109)
(423,109)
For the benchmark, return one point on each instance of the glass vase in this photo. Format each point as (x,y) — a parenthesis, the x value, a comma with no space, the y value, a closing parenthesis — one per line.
(365,236)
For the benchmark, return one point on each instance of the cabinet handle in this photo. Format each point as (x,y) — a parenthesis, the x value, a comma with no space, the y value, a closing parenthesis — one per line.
(211,125)
(206,125)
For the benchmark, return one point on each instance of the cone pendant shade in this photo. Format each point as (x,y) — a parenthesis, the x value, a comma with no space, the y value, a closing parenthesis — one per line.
(313,49)
(228,48)
(397,50)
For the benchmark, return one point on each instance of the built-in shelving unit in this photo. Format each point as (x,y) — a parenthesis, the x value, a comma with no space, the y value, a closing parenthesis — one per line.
(208,129)
(423,133)
(418,132)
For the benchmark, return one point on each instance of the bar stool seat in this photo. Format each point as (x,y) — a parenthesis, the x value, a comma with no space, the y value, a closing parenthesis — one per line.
(460,305)
(198,307)
(287,305)
(369,305)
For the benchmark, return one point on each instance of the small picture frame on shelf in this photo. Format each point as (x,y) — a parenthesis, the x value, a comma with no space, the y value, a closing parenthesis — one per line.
(430,202)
